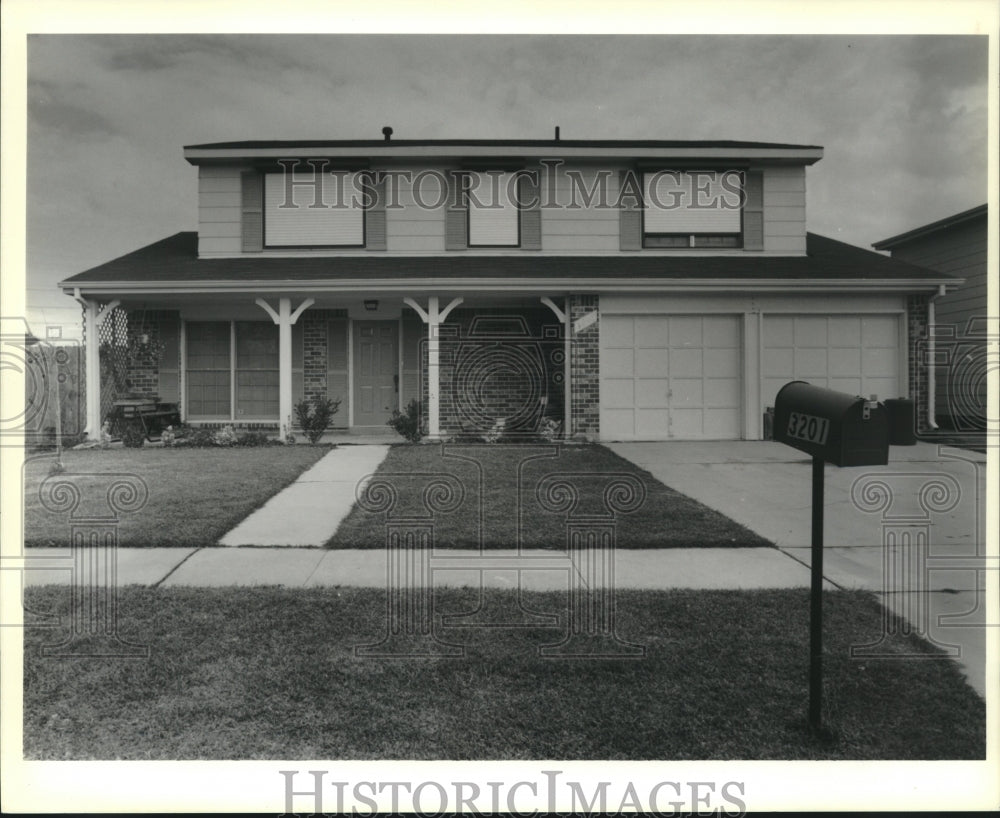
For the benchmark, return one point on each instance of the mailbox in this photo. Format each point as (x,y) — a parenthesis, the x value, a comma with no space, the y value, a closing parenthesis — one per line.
(838,428)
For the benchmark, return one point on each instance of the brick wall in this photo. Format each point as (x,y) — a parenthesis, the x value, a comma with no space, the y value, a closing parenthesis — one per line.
(916,317)
(499,363)
(143,364)
(314,350)
(585,369)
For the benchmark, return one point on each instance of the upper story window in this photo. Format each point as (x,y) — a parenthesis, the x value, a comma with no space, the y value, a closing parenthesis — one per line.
(314,209)
(494,213)
(692,208)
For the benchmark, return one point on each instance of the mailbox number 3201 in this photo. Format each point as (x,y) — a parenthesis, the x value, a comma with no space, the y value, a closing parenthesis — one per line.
(808,427)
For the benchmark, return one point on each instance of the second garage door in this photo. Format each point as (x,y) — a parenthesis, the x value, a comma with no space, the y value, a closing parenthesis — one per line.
(858,354)
(670,377)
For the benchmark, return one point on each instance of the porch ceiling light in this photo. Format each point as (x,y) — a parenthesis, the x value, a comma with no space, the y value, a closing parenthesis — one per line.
(371,304)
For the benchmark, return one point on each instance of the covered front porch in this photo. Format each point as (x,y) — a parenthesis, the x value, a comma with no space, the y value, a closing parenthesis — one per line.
(472,361)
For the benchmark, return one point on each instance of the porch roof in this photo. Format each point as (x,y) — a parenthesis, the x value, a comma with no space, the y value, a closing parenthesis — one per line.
(173,264)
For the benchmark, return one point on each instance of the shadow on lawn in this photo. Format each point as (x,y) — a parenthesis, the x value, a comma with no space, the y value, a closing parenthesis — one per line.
(272,673)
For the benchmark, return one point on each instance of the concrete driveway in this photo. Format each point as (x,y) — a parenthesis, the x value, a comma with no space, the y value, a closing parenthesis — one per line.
(912,531)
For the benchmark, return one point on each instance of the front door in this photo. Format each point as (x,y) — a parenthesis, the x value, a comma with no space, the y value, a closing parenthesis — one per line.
(376,366)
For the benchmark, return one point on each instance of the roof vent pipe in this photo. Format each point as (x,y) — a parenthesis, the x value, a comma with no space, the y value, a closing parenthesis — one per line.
(387,133)
(557,133)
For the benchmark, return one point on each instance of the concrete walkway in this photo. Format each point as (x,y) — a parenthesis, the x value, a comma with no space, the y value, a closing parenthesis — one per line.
(930,491)
(309,510)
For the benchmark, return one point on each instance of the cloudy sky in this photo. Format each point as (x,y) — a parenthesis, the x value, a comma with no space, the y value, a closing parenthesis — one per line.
(903,119)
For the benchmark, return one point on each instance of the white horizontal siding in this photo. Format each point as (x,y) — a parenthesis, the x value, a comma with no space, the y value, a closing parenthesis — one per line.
(410,228)
(209,245)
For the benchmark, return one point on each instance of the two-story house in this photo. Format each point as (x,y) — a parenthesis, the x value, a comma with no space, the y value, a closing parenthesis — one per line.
(629,290)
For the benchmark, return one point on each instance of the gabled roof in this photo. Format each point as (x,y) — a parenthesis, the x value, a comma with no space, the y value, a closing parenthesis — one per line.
(173,264)
(933,227)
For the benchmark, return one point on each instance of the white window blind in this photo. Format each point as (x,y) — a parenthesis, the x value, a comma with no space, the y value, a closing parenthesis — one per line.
(304,225)
(493,214)
(691,203)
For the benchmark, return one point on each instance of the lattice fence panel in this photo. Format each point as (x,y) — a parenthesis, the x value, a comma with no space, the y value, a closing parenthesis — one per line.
(114,354)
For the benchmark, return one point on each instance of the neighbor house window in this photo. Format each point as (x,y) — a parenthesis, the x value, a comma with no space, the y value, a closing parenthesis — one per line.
(494,216)
(321,209)
(696,208)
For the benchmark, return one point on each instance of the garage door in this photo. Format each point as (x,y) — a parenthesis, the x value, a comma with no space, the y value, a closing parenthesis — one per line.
(858,354)
(670,376)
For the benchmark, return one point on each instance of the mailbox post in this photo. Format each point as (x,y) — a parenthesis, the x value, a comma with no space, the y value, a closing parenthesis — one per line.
(831,427)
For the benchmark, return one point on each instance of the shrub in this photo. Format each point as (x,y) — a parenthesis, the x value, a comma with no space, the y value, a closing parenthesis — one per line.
(254,439)
(314,417)
(407,423)
(133,435)
(225,436)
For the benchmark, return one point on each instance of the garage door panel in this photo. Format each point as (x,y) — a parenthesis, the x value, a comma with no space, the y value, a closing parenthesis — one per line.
(617,334)
(844,362)
(879,363)
(717,422)
(651,331)
(722,392)
(812,363)
(777,362)
(685,363)
(722,363)
(652,363)
(779,331)
(651,393)
(811,333)
(687,424)
(883,387)
(650,425)
(617,362)
(844,330)
(685,331)
(686,392)
(722,331)
(619,393)
(617,424)
(879,331)
(850,385)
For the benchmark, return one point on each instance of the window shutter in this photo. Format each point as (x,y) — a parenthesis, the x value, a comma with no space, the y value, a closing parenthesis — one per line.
(531,213)
(753,211)
(629,212)
(252,207)
(456,222)
(375,238)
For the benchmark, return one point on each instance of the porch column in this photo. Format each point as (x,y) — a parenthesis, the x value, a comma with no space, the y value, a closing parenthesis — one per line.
(285,318)
(93,318)
(433,317)
(563,317)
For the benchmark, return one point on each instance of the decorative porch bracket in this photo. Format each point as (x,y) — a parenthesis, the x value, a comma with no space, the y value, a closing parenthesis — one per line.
(285,318)
(433,317)
(93,318)
(564,319)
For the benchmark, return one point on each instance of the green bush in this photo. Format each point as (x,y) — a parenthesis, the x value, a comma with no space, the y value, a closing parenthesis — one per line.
(133,435)
(408,423)
(254,439)
(314,417)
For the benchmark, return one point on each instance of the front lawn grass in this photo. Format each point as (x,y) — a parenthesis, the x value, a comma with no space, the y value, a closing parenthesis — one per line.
(500,481)
(195,495)
(260,673)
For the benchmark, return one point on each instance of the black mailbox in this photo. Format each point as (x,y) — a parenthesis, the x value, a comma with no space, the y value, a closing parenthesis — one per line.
(838,428)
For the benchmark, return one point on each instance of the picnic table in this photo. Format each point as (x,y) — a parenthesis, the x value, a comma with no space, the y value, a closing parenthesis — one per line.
(149,414)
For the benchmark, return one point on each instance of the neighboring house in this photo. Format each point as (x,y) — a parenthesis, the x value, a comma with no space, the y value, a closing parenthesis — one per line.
(628,290)
(955,245)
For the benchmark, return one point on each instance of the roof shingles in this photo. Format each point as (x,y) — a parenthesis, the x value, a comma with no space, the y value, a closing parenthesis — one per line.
(174,260)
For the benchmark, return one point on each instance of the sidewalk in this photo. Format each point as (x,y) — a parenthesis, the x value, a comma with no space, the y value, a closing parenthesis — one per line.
(309,510)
